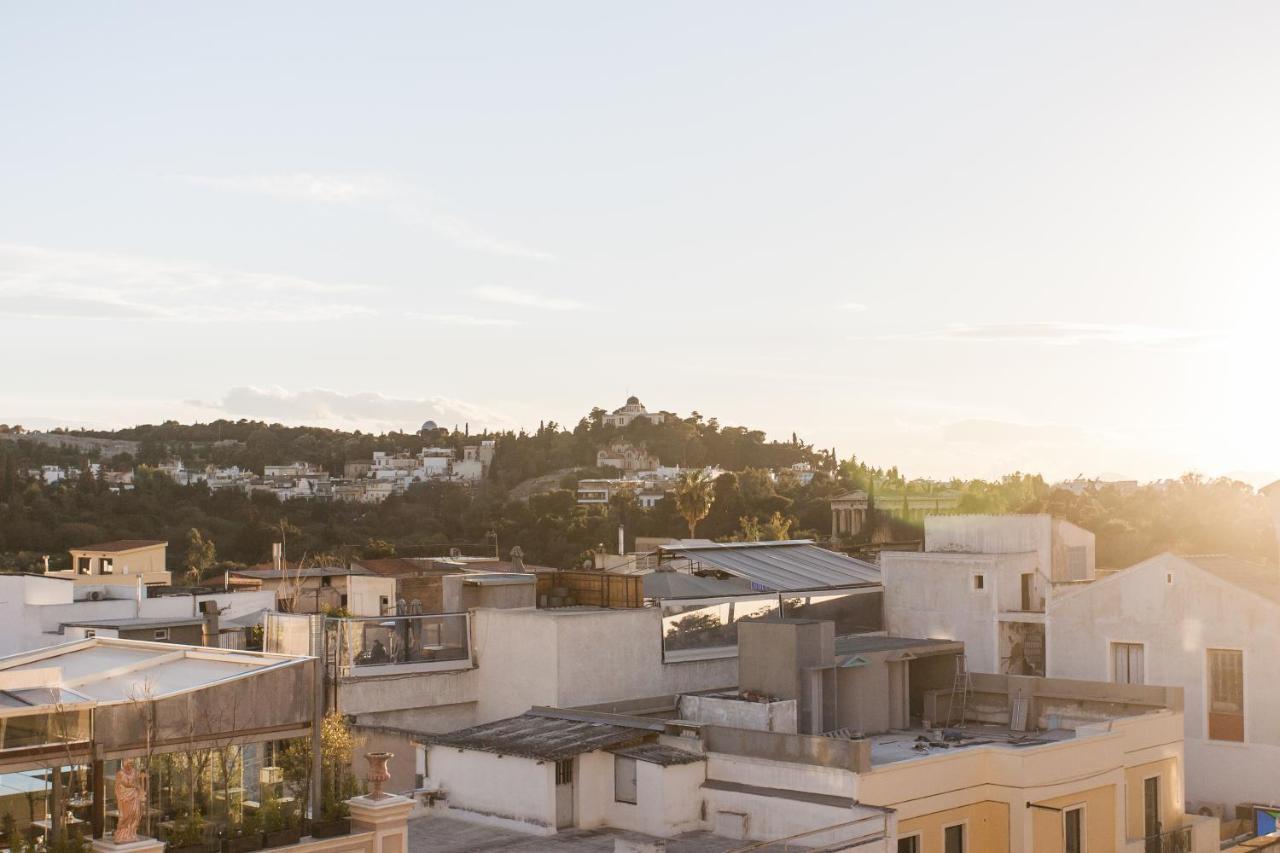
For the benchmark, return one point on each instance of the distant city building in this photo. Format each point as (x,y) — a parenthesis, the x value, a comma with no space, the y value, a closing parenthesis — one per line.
(626,458)
(633,409)
(1081,485)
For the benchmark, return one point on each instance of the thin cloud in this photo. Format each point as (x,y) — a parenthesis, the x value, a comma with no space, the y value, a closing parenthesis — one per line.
(408,203)
(47,283)
(1059,334)
(526,299)
(853,306)
(305,186)
(464,320)
(363,410)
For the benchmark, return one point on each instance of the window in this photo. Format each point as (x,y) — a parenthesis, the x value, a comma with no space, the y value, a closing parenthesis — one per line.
(83,564)
(624,779)
(89,633)
(1073,830)
(160,634)
(564,771)
(1127,663)
(384,605)
(909,845)
(1028,586)
(342,600)
(979,582)
(106,566)
(953,839)
(1226,695)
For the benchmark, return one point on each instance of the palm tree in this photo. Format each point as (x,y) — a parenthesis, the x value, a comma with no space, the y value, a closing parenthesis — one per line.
(693,497)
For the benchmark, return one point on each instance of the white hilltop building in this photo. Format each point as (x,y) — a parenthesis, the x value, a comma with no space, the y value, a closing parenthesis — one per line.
(634,409)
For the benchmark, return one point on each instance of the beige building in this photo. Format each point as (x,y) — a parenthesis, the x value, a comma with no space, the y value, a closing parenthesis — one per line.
(626,458)
(1029,765)
(321,589)
(119,563)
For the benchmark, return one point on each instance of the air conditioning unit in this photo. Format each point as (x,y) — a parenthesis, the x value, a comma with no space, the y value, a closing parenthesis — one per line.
(1218,810)
(96,595)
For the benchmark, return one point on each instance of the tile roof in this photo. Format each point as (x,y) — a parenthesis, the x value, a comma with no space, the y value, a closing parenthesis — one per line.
(121,545)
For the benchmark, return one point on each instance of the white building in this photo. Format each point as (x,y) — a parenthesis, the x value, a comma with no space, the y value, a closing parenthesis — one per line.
(633,409)
(34,608)
(1207,624)
(985,580)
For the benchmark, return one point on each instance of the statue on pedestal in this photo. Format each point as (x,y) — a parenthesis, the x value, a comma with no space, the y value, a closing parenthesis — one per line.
(131,800)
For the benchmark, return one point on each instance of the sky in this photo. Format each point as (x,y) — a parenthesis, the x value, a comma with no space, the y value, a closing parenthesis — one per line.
(963,239)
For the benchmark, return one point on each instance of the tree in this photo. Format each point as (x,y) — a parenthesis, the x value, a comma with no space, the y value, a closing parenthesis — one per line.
(694,496)
(201,555)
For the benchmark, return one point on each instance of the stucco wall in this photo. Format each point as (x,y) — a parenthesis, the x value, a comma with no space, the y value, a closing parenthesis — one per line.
(518,793)
(986,827)
(1177,622)
(933,595)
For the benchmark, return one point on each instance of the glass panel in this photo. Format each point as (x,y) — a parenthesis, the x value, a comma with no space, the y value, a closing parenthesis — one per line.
(710,625)
(1072,828)
(393,640)
(852,613)
(953,839)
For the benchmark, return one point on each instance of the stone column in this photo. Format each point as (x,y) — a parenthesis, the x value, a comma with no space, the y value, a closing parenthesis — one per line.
(387,818)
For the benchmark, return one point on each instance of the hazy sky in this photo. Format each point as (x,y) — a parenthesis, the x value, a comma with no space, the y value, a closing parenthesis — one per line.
(960,238)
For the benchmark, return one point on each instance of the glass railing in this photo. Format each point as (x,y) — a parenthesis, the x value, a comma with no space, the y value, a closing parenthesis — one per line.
(367,646)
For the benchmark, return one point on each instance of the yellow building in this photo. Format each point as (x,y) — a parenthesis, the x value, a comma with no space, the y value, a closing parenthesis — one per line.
(118,563)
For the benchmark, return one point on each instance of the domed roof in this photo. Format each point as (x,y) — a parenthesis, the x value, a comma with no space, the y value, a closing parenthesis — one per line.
(633,401)
(428,426)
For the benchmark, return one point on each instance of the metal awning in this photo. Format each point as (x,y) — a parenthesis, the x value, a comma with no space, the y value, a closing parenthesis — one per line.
(779,566)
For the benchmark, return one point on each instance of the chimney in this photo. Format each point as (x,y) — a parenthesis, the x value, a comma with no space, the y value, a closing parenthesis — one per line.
(209,636)
(46,564)
(517,559)
(277,557)
(622,540)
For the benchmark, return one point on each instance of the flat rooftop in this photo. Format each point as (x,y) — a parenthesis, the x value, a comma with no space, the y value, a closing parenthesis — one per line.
(910,744)
(450,835)
(852,644)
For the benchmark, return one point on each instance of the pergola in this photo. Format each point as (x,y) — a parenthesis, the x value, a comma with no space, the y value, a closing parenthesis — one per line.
(101,700)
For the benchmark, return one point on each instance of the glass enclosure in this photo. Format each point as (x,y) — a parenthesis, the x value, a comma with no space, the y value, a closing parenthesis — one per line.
(364,645)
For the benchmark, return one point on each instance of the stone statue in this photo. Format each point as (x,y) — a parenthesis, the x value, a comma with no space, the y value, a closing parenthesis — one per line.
(131,799)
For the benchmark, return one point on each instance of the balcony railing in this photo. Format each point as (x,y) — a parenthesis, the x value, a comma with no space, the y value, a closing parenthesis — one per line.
(1171,841)
(382,644)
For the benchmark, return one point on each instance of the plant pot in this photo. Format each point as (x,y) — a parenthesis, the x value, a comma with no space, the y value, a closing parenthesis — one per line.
(331,828)
(242,843)
(282,837)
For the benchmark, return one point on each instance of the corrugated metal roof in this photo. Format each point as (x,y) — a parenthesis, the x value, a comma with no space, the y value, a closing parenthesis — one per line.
(681,585)
(781,566)
(543,738)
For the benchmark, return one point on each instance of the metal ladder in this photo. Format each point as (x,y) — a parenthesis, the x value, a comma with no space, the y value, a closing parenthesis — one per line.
(962,684)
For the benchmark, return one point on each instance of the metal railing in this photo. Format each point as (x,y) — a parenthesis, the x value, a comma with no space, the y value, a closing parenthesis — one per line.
(848,835)
(368,646)
(1170,841)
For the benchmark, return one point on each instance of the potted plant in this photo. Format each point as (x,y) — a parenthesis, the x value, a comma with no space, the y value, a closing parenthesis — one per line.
(279,823)
(335,818)
(187,835)
(243,837)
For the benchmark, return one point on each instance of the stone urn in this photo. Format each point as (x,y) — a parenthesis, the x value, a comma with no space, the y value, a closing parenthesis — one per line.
(378,773)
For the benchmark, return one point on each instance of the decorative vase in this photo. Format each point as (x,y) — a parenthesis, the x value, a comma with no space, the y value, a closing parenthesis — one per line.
(378,772)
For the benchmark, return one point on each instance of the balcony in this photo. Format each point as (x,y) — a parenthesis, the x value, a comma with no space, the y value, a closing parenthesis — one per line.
(1196,834)
(386,645)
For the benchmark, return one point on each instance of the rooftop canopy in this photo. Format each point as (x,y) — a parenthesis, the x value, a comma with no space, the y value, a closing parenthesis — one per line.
(550,734)
(781,566)
(150,696)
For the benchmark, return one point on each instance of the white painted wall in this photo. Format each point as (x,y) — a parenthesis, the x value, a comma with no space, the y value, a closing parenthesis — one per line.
(508,791)
(932,595)
(1176,622)
(364,594)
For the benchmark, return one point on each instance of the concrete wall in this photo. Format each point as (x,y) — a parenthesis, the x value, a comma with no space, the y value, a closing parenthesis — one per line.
(740,714)
(1178,611)
(366,592)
